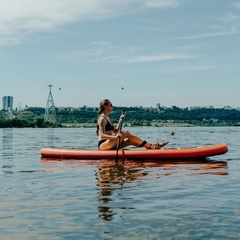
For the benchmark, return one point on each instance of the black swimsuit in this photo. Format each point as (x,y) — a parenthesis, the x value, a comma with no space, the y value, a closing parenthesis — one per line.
(108,127)
(100,142)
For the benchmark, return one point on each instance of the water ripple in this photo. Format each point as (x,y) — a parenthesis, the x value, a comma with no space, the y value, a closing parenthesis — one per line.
(44,199)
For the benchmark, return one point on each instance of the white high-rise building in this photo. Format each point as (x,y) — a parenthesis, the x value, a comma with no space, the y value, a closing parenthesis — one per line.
(7,103)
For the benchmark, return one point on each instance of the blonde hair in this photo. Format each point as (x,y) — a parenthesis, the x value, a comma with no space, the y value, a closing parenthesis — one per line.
(102,105)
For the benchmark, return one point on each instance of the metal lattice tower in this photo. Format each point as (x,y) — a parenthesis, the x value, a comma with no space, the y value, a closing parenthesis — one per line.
(50,112)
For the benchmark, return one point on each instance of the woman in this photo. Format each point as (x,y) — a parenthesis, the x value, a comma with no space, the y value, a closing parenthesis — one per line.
(108,134)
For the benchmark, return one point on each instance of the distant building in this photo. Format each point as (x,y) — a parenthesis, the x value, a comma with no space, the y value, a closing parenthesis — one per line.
(7,102)
(174,107)
(227,108)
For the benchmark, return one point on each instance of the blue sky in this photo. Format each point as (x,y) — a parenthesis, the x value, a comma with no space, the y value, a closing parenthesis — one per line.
(134,52)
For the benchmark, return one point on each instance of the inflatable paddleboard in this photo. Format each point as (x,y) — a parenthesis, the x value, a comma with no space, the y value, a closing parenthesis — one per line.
(141,154)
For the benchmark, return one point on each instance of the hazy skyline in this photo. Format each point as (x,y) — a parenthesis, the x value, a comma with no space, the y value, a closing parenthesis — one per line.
(134,52)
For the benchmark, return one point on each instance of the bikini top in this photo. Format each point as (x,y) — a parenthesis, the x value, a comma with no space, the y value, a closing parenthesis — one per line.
(109,126)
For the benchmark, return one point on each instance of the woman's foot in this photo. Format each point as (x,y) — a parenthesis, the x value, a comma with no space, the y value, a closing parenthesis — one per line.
(163,144)
(157,145)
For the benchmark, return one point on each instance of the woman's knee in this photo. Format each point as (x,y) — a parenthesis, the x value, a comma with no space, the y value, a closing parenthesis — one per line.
(126,134)
(131,135)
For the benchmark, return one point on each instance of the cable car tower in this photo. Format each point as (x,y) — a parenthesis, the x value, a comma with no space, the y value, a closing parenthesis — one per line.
(50,112)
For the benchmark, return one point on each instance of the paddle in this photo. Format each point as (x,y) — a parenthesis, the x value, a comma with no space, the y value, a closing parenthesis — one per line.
(118,142)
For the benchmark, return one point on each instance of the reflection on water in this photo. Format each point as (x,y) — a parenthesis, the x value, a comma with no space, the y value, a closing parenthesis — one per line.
(7,152)
(7,143)
(113,177)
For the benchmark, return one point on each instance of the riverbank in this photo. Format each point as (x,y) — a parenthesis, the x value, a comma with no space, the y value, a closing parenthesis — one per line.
(154,124)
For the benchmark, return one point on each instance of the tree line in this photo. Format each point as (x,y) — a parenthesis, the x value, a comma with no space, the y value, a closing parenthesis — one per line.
(135,116)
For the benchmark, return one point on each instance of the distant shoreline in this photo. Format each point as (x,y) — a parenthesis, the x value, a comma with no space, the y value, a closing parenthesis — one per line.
(93,125)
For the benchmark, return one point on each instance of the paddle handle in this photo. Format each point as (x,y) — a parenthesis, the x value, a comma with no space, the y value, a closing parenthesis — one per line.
(120,130)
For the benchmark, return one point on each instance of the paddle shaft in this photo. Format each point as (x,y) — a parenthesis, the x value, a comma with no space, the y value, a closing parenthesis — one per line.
(118,142)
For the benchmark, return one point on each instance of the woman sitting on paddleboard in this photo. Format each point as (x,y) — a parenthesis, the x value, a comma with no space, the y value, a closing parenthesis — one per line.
(108,134)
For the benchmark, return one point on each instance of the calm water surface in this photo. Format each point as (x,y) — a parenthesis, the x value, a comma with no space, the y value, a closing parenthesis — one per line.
(43,199)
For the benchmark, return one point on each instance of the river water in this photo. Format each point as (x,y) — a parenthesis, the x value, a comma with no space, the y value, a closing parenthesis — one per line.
(73,199)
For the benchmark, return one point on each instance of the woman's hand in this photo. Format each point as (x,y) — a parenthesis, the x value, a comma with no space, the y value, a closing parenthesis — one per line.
(122,117)
(118,135)
(125,132)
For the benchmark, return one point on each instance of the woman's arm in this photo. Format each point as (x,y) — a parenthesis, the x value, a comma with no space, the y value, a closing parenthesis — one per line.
(116,130)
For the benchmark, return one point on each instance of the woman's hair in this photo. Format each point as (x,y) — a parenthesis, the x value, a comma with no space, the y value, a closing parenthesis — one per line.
(103,103)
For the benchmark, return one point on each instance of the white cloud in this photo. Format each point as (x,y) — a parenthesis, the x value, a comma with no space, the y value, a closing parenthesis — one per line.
(105,51)
(237,5)
(197,68)
(231,31)
(162,3)
(230,18)
(21,17)
(161,57)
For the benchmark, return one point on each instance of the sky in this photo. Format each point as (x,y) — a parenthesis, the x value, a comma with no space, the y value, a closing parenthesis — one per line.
(134,52)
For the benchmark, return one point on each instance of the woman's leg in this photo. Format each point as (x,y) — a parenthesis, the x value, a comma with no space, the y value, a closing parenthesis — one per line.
(130,139)
(127,139)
